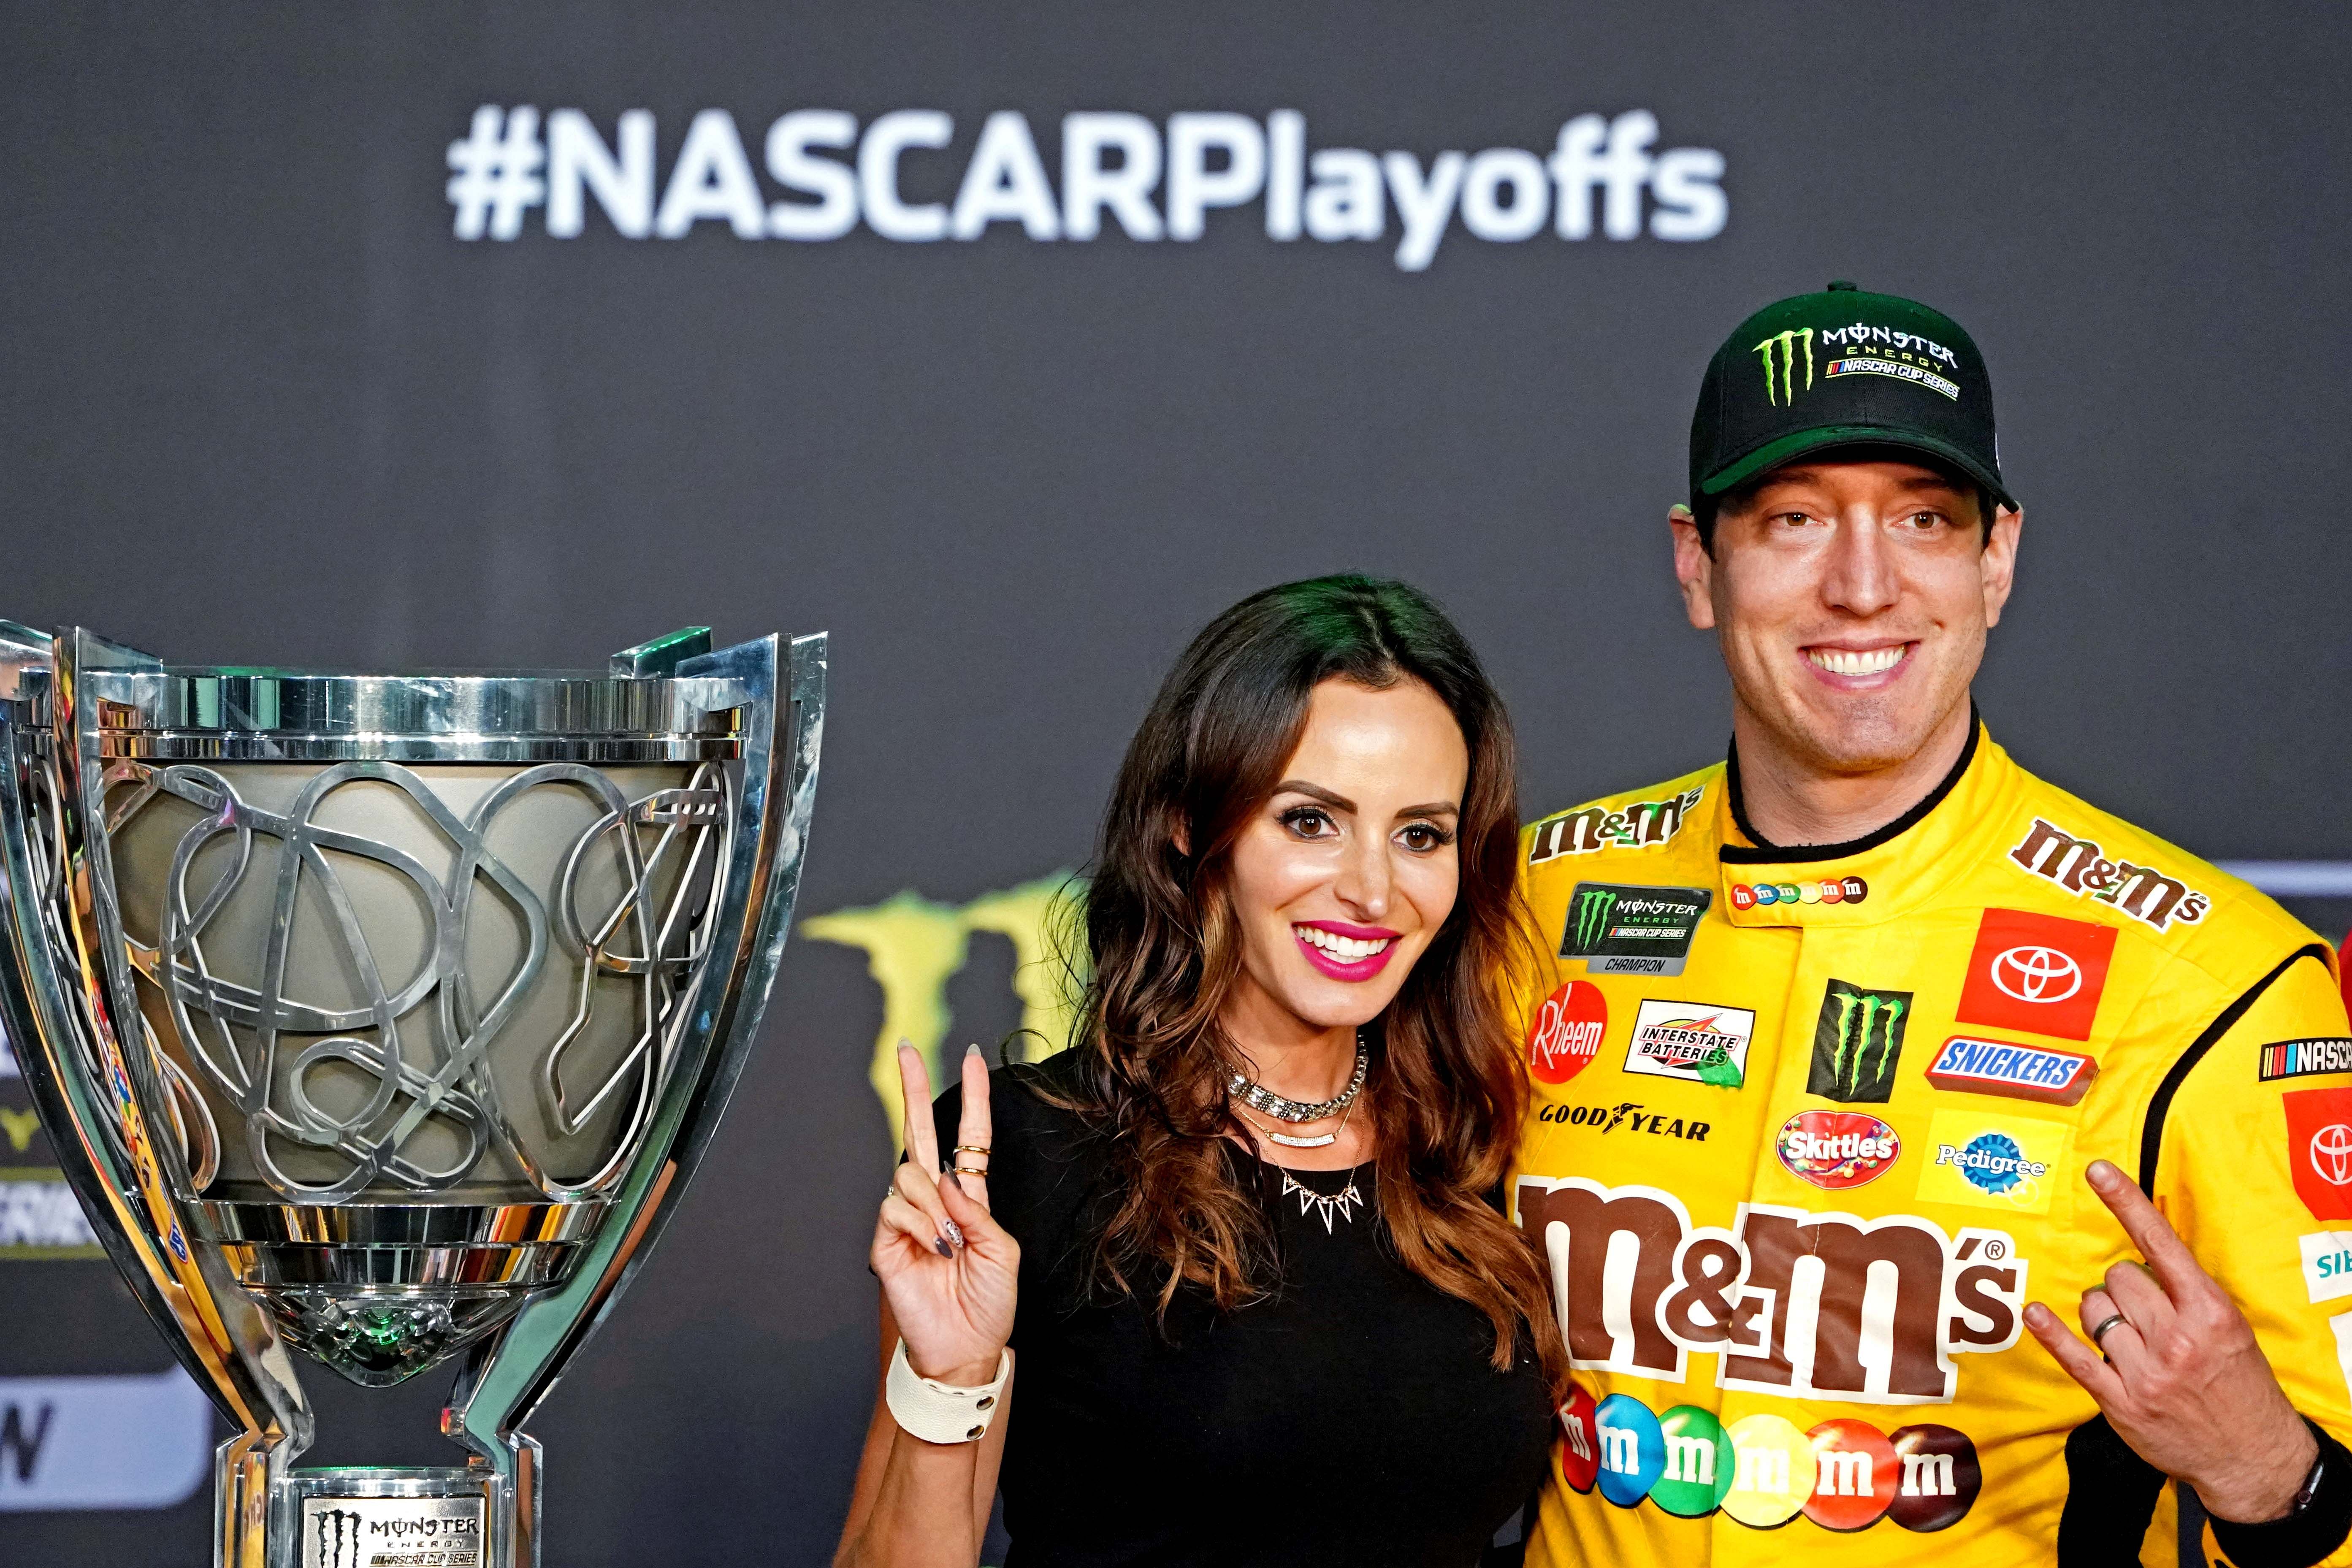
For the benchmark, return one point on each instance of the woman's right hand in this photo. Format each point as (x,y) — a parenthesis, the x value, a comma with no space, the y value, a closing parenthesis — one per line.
(950,1271)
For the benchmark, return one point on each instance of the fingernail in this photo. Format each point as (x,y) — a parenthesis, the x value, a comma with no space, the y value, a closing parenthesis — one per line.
(2036,1314)
(955,1233)
(956,1179)
(2104,1175)
(972,1049)
(945,1251)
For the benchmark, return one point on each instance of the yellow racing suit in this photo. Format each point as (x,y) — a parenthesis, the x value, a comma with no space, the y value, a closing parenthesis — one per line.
(1809,1131)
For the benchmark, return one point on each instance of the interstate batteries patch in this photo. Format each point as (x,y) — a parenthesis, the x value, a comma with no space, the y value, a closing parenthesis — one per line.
(1618,929)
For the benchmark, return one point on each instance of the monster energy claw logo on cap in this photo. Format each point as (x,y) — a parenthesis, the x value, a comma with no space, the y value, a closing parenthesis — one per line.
(1629,929)
(1857,1040)
(1787,343)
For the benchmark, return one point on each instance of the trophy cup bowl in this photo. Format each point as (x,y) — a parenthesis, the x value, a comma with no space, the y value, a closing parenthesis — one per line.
(384,1017)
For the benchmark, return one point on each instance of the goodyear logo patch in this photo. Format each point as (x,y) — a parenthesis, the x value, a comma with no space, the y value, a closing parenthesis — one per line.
(1990,1160)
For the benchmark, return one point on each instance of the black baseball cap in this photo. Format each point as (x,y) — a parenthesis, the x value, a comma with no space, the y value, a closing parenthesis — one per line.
(1844,368)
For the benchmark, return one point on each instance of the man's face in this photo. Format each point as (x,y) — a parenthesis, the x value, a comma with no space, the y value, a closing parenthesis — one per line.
(1852,600)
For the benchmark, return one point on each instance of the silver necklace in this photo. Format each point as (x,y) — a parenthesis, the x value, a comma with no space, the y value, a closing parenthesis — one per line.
(1287,1142)
(1282,1109)
(1343,1201)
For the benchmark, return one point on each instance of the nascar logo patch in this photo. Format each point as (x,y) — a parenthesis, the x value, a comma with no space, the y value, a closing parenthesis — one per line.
(2305,1058)
(2013,1071)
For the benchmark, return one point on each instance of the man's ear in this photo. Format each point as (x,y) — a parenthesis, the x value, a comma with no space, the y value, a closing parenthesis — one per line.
(1997,563)
(1693,569)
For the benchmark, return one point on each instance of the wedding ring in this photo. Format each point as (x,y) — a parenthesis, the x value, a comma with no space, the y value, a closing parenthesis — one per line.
(972,1148)
(2099,1334)
(969,1171)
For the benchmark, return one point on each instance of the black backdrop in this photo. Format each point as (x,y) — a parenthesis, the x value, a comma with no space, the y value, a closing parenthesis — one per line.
(262,404)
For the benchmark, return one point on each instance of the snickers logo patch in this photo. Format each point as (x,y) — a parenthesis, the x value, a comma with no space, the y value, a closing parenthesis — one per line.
(2003,1068)
(2305,1058)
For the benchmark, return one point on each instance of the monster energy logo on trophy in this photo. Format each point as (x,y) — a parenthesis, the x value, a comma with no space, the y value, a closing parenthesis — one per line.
(338,1537)
(1620,928)
(1787,343)
(1857,1040)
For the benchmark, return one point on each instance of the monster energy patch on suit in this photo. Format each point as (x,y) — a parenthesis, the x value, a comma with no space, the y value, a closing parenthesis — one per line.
(1629,930)
(1856,1042)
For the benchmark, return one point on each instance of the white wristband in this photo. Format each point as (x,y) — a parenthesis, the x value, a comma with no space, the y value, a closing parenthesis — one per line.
(940,1411)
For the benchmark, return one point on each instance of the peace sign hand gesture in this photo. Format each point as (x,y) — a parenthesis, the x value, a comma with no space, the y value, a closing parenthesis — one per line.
(950,1272)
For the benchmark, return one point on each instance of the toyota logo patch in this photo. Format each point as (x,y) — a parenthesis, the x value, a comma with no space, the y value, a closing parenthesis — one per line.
(2040,975)
(2331,1153)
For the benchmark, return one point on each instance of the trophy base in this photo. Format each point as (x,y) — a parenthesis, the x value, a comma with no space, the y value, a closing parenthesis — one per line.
(364,1518)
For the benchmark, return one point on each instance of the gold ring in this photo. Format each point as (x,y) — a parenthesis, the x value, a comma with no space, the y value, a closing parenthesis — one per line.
(968,1171)
(971,1149)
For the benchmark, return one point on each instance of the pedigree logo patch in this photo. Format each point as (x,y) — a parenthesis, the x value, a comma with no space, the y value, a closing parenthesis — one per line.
(2037,972)
(1989,1160)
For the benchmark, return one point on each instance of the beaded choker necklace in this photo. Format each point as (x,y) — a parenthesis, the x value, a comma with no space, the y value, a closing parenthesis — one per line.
(1271,1104)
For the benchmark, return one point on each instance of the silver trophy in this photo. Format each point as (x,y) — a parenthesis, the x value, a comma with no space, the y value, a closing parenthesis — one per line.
(384,1017)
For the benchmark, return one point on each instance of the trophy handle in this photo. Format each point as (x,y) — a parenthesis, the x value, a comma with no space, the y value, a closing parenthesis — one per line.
(505,1378)
(81,1051)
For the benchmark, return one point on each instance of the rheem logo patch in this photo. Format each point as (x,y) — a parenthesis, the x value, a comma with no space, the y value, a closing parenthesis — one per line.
(1565,1034)
(2037,972)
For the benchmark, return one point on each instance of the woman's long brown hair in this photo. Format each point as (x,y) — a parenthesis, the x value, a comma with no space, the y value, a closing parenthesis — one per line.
(1446,1092)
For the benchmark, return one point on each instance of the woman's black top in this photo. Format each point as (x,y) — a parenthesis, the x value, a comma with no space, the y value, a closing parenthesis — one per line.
(1354,1417)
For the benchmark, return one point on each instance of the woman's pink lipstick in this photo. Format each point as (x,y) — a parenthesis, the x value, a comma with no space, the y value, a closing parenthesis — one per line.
(1340,968)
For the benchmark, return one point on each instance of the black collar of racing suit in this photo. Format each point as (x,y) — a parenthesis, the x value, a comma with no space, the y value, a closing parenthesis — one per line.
(1765,852)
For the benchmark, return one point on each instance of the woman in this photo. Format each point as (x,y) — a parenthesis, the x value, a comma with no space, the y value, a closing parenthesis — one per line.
(1241,1232)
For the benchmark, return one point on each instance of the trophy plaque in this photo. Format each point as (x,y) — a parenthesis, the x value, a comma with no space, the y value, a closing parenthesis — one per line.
(384,1018)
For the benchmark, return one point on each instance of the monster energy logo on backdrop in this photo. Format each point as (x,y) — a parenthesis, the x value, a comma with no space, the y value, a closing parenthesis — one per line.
(1787,343)
(1856,1042)
(1619,927)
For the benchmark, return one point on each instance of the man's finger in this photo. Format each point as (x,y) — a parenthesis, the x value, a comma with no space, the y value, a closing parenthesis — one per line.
(922,1139)
(2078,1360)
(976,1132)
(2175,1267)
(2124,1340)
(2138,1297)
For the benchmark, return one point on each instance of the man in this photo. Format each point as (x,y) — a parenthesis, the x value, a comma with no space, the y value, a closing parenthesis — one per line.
(1852,1043)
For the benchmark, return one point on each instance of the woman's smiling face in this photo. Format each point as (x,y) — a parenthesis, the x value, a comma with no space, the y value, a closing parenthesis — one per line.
(1345,875)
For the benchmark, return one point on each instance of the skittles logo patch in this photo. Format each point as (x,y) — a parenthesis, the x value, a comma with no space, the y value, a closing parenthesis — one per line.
(1762,1471)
